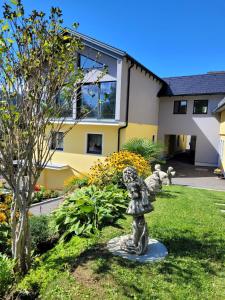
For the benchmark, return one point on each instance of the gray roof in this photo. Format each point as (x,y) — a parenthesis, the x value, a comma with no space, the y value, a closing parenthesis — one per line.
(205,84)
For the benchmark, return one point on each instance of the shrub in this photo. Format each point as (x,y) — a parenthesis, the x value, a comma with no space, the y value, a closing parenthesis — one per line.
(41,193)
(75,182)
(110,170)
(43,236)
(6,274)
(89,209)
(145,147)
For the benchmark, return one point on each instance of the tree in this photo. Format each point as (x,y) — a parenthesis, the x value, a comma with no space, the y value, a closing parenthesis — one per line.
(38,65)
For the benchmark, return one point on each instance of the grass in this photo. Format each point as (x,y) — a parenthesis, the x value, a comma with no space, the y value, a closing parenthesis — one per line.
(186,220)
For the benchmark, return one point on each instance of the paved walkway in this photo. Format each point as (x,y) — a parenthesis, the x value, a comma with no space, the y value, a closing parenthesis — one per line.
(45,207)
(199,177)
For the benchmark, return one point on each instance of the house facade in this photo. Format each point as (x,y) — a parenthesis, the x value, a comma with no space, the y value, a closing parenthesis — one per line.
(138,104)
(108,125)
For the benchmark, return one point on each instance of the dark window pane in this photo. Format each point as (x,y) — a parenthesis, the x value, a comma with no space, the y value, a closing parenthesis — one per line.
(107,100)
(89,100)
(98,101)
(200,107)
(57,141)
(180,107)
(88,63)
(94,143)
(65,105)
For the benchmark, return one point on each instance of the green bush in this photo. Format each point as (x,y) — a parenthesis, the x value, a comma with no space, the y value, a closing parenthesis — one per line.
(75,182)
(6,274)
(89,209)
(5,238)
(152,152)
(43,236)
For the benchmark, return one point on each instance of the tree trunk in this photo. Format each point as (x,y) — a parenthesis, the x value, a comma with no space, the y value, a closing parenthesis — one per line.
(20,227)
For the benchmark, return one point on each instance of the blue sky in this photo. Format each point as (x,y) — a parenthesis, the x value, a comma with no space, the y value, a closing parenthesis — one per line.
(170,37)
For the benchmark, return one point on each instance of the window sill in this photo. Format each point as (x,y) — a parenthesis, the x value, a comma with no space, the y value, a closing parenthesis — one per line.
(109,122)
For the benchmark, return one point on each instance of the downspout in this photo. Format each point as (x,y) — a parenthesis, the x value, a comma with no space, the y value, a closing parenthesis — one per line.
(127,105)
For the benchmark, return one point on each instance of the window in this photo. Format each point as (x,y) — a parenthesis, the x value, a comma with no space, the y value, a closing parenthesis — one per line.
(200,107)
(87,63)
(180,107)
(65,105)
(94,143)
(98,101)
(57,141)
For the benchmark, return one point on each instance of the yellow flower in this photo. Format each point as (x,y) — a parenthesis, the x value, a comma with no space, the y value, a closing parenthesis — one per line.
(2,217)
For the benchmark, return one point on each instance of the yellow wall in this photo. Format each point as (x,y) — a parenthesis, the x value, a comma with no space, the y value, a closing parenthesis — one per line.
(75,156)
(222,138)
(134,130)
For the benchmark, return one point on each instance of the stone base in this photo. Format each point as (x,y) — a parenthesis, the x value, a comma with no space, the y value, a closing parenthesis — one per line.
(156,250)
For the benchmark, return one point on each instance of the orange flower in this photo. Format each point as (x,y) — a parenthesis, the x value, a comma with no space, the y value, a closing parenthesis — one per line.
(2,217)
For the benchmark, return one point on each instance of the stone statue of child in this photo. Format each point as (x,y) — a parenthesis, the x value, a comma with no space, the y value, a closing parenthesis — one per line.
(140,204)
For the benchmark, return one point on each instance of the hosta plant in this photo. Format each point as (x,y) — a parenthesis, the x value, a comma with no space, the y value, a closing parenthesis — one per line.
(89,209)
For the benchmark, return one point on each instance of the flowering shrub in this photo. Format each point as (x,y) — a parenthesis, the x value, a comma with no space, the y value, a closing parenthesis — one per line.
(110,170)
(5,202)
(41,193)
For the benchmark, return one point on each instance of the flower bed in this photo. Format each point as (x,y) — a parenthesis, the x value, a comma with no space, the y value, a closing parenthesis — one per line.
(41,194)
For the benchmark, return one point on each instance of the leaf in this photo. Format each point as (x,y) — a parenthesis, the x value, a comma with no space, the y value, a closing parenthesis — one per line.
(5,27)
(10,40)
(14,2)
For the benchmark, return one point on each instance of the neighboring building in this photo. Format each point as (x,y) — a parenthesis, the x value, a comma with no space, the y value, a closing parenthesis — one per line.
(177,111)
(186,108)
(220,111)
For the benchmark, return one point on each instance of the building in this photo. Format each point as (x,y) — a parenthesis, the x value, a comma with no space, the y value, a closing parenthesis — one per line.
(177,111)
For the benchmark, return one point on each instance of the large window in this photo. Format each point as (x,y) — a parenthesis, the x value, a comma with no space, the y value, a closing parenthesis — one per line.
(57,141)
(97,101)
(65,104)
(180,107)
(87,63)
(94,143)
(200,107)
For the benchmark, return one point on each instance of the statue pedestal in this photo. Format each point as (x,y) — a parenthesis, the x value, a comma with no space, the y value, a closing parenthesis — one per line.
(156,250)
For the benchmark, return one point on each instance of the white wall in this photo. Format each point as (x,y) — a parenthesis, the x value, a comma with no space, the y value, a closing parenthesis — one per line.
(204,127)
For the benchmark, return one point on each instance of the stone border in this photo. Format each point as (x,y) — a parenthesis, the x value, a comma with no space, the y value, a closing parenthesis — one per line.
(47,201)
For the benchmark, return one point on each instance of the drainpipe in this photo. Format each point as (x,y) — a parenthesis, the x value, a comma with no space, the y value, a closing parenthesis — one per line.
(127,107)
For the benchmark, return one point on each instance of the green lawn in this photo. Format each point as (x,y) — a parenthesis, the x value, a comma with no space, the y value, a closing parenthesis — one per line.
(186,220)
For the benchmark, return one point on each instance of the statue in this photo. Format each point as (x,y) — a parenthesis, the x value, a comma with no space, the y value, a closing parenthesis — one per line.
(154,183)
(140,204)
(165,177)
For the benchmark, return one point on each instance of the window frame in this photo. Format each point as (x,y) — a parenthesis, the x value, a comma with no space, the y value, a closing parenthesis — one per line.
(98,105)
(57,148)
(179,113)
(203,113)
(86,143)
(88,69)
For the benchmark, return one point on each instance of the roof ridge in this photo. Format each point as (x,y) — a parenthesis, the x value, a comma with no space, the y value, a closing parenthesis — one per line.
(196,75)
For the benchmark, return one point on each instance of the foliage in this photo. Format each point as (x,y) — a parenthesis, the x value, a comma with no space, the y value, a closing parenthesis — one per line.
(152,152)
(6,274)
(110,170)
(186,220)
(89,209)
(43,236)
(5,202)
(75,182)
(38,67)
(41,193)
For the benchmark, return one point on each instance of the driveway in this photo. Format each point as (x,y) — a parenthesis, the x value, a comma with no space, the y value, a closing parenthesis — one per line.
(45,207)
(199,177)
